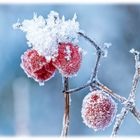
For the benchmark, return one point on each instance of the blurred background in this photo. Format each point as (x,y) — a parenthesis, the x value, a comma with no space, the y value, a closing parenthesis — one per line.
(29,109)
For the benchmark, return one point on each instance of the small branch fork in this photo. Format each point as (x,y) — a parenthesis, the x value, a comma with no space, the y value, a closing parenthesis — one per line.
(129,104)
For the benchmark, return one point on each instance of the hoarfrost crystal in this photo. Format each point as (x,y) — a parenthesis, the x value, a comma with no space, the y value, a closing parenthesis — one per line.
(105,48)
(44,35)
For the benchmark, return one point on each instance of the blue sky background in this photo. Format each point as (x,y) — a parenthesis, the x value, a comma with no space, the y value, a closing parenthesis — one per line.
(27,108)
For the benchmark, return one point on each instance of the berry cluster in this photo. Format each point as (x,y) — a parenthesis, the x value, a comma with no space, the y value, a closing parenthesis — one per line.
(67,62)
(53,43)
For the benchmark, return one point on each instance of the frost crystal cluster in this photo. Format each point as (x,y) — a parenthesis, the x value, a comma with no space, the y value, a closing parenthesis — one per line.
(44,34)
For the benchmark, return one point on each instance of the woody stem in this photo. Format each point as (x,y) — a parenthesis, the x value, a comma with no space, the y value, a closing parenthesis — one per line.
(65,127)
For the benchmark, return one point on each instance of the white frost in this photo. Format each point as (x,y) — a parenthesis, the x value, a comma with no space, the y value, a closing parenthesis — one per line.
(133,51)
(68,52)
(105,48)
(44,34)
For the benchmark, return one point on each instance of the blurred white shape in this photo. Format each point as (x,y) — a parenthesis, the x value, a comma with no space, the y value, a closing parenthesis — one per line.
(21,106)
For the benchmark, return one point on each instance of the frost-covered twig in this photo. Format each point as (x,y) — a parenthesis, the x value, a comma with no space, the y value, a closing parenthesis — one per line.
(94,73)
(80,88)
(128,105)
(121,99)
(65,127)
(136,75)
(90,40)
(136,114)
(119,120)
(99,54)
(110,92)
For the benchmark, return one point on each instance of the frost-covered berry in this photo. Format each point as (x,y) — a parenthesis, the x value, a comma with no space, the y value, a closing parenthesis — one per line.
(98,110)
(69,59)
(36,66)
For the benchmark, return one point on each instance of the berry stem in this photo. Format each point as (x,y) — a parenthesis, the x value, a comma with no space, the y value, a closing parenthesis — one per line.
(65,127)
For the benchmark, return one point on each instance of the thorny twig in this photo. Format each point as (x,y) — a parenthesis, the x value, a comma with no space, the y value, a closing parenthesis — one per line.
(65,127)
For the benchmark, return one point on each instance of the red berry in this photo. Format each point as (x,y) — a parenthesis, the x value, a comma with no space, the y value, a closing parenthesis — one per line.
(98,110)
(36,66)
(68,60)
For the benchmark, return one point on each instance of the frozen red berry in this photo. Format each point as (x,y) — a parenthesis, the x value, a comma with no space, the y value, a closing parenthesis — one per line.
(68,60)
(98,110)
(36,66)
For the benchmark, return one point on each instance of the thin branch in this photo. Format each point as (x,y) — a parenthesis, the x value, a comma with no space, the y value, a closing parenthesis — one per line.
(90,40)
(95,71)
(99,54)
(80,88)
(136,75)
(136,114)
(129,104)
(119,120)
(101,86)
(110,92)
(66,116)
(121,99)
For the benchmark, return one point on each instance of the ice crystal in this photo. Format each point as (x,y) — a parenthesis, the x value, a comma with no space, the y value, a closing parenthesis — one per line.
(44,34)
(105,48)
(68,52)
(133,51)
